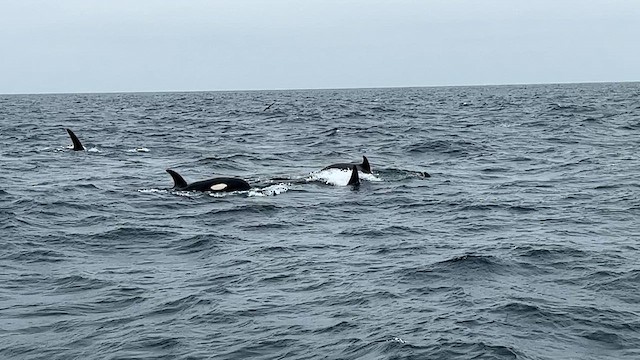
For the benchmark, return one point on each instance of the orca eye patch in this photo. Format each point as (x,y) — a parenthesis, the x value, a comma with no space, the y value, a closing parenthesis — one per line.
(218,187)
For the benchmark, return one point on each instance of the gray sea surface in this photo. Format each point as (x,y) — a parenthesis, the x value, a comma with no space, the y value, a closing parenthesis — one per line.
(524,243)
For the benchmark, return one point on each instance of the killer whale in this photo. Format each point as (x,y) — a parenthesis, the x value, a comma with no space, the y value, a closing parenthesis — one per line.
(354,180)
(77,145)
(221,184)
(364,167)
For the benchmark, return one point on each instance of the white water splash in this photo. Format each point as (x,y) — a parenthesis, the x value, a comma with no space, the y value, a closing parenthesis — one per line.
(369,177)
(139,149)
(338,177)
(271,190)
(153,190)
(335,177)
(70,147)
(220,194)
(398,340)
(189,194)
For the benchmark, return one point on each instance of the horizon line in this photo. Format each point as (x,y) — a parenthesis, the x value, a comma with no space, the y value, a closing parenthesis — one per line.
(320,88)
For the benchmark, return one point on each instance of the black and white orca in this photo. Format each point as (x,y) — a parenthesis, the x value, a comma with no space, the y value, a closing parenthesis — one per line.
(77,145)
(354,179)
(364,167)
(222,184)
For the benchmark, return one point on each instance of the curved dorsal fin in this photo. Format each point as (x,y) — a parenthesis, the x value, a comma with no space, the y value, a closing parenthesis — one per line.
(77,145)
(366,168)
(178,181)
(355,179)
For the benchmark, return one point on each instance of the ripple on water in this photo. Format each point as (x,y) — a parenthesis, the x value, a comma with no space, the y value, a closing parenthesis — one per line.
(520,245)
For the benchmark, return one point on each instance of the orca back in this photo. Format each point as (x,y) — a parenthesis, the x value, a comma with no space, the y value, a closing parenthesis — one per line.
(221,184)
(365,167)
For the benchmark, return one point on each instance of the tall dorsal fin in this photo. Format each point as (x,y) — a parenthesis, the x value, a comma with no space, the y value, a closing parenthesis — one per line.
(178,181)
(77,145)
(355,179)
(366,168)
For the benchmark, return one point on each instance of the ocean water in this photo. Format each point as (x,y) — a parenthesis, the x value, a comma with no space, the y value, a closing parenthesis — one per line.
(524,243)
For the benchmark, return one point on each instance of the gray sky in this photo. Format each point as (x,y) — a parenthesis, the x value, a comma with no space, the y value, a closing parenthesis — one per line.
(161,45)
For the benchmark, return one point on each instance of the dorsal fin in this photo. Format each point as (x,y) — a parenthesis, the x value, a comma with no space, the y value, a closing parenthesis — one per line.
(366,168)
(178,181)
(77,145)
(355,179)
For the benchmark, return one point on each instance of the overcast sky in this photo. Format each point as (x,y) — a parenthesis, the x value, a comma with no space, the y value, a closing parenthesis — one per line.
(161,45)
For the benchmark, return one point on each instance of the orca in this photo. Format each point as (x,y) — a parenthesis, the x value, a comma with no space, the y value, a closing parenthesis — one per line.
(77,145)
(364,167)
(222,184)
(355,179)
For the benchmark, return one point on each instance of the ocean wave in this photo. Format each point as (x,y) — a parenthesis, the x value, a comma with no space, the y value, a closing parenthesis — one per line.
(467,262)
(197,243)
(43,255)
(79,283)
(246,209)
(522,245)
(388,231)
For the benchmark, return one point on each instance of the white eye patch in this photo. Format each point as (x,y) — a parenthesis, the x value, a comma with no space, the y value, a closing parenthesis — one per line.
(218,187)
